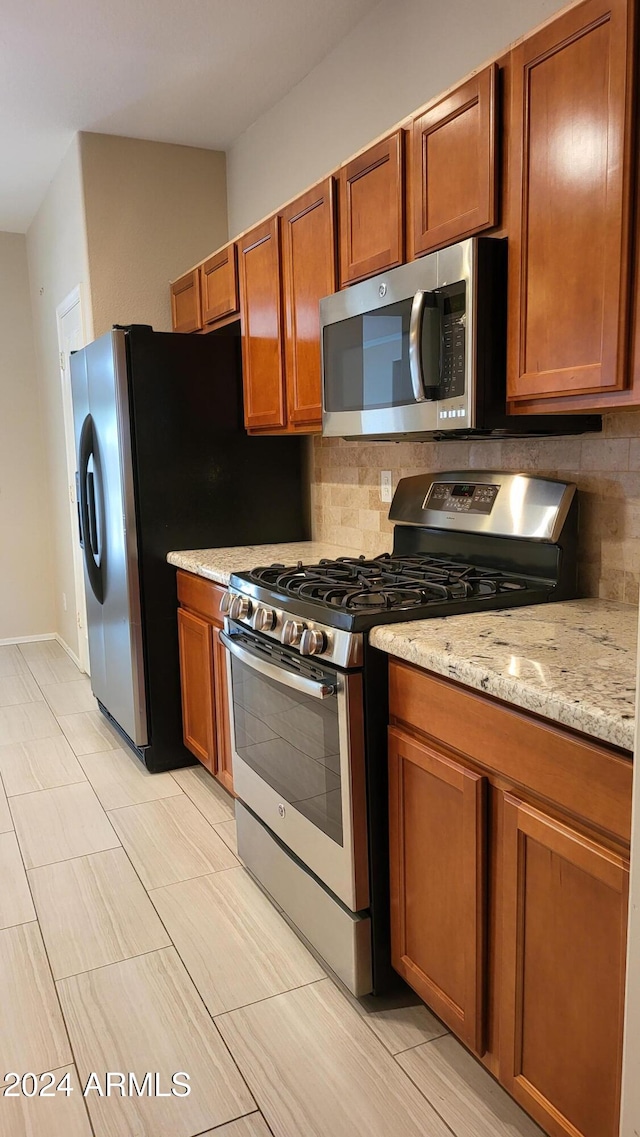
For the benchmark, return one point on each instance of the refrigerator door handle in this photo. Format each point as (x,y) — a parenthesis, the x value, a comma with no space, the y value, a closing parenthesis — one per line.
(88,518)
(80,533)
(93,523)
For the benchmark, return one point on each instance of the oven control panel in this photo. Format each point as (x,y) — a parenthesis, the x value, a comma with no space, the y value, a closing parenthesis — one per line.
(461,497)
(253,611)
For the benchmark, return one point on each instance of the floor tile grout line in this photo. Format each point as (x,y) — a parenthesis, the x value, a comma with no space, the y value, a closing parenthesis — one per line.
(65,860)
(62,1014)
(278,995)
(44,789)
(421,1091)
(205,1132)
(198,766)
(40,1073)
(425,1042)
(212,872)
(115,962)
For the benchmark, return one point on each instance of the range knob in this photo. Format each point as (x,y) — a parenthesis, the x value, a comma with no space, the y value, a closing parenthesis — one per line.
(264,619)
(225,603)
(312,642)
(292,632)
(240,608)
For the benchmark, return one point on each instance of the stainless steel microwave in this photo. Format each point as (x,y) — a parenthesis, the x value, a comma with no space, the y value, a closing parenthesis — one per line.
(421,351)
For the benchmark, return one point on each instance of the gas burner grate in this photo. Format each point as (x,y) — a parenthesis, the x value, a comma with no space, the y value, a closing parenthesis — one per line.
(386,582)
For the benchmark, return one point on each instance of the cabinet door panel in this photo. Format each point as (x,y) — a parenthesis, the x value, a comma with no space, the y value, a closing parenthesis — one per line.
(186,312)
(437,836)
(454,154)
(196,681)
(563,963)
(309,268)
(223,771)
(220,297)
(372,211)
(262,356)
(569,204)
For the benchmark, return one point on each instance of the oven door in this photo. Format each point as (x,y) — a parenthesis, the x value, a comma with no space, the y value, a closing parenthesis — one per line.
(298,757)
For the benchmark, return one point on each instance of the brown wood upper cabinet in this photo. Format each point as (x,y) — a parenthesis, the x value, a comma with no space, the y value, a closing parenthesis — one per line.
(563,971)
(570,158)
(371,210)
(287,265)
(220,294)
(186,310)
(437,840)
(309,273)
(453,180)
(261,312)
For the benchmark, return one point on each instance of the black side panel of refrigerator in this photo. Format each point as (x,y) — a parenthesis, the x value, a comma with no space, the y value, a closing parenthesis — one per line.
(201,482)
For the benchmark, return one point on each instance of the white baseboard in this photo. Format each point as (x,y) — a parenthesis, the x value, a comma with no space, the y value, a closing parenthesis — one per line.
(72,655)
(31,639)
(45,636)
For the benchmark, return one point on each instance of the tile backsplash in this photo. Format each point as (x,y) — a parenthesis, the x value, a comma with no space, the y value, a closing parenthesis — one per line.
(347,511)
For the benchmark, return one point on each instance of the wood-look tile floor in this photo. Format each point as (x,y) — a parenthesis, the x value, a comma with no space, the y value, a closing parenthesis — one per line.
(132,940)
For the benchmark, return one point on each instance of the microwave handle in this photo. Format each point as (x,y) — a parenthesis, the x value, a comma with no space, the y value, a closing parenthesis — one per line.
(415,347)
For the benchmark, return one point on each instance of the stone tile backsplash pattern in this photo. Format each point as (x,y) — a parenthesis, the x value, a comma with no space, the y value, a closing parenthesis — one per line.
(347,511)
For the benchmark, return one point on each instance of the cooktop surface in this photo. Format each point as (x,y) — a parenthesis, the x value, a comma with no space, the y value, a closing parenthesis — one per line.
(357,592)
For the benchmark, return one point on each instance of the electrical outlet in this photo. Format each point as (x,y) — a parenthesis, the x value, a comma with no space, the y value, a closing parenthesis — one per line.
(64,601)
(386,490)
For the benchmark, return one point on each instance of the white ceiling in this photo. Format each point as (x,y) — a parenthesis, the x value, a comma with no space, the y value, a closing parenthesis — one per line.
(196,72)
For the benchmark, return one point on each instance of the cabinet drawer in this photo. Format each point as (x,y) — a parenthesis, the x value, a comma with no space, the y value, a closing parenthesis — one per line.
(201,595)
(585,779)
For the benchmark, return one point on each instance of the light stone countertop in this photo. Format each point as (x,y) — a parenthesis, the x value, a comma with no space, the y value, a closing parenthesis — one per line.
(573,662)
(218,564)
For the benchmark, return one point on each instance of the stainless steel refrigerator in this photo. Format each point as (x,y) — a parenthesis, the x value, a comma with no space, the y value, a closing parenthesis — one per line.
(163,462)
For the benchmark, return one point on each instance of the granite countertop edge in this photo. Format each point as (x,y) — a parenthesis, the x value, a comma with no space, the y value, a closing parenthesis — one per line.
(578,656)
(585,682)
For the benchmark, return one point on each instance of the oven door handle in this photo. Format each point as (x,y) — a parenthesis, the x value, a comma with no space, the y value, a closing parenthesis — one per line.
(280,674)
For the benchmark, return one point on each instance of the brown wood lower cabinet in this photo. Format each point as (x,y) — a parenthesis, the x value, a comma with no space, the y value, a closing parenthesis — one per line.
(203,675)
(196,677)
(563,966)
(438,836)
(509,893)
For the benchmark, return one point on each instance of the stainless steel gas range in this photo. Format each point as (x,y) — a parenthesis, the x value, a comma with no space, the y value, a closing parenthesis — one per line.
(308,694)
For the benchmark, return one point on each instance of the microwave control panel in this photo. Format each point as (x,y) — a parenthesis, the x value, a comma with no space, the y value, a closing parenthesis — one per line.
(452,345)
(461,497)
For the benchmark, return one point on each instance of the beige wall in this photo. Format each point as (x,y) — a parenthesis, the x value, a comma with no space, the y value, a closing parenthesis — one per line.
(400,55)
(152,210)
(110,221)
(57,254)
(26,596)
